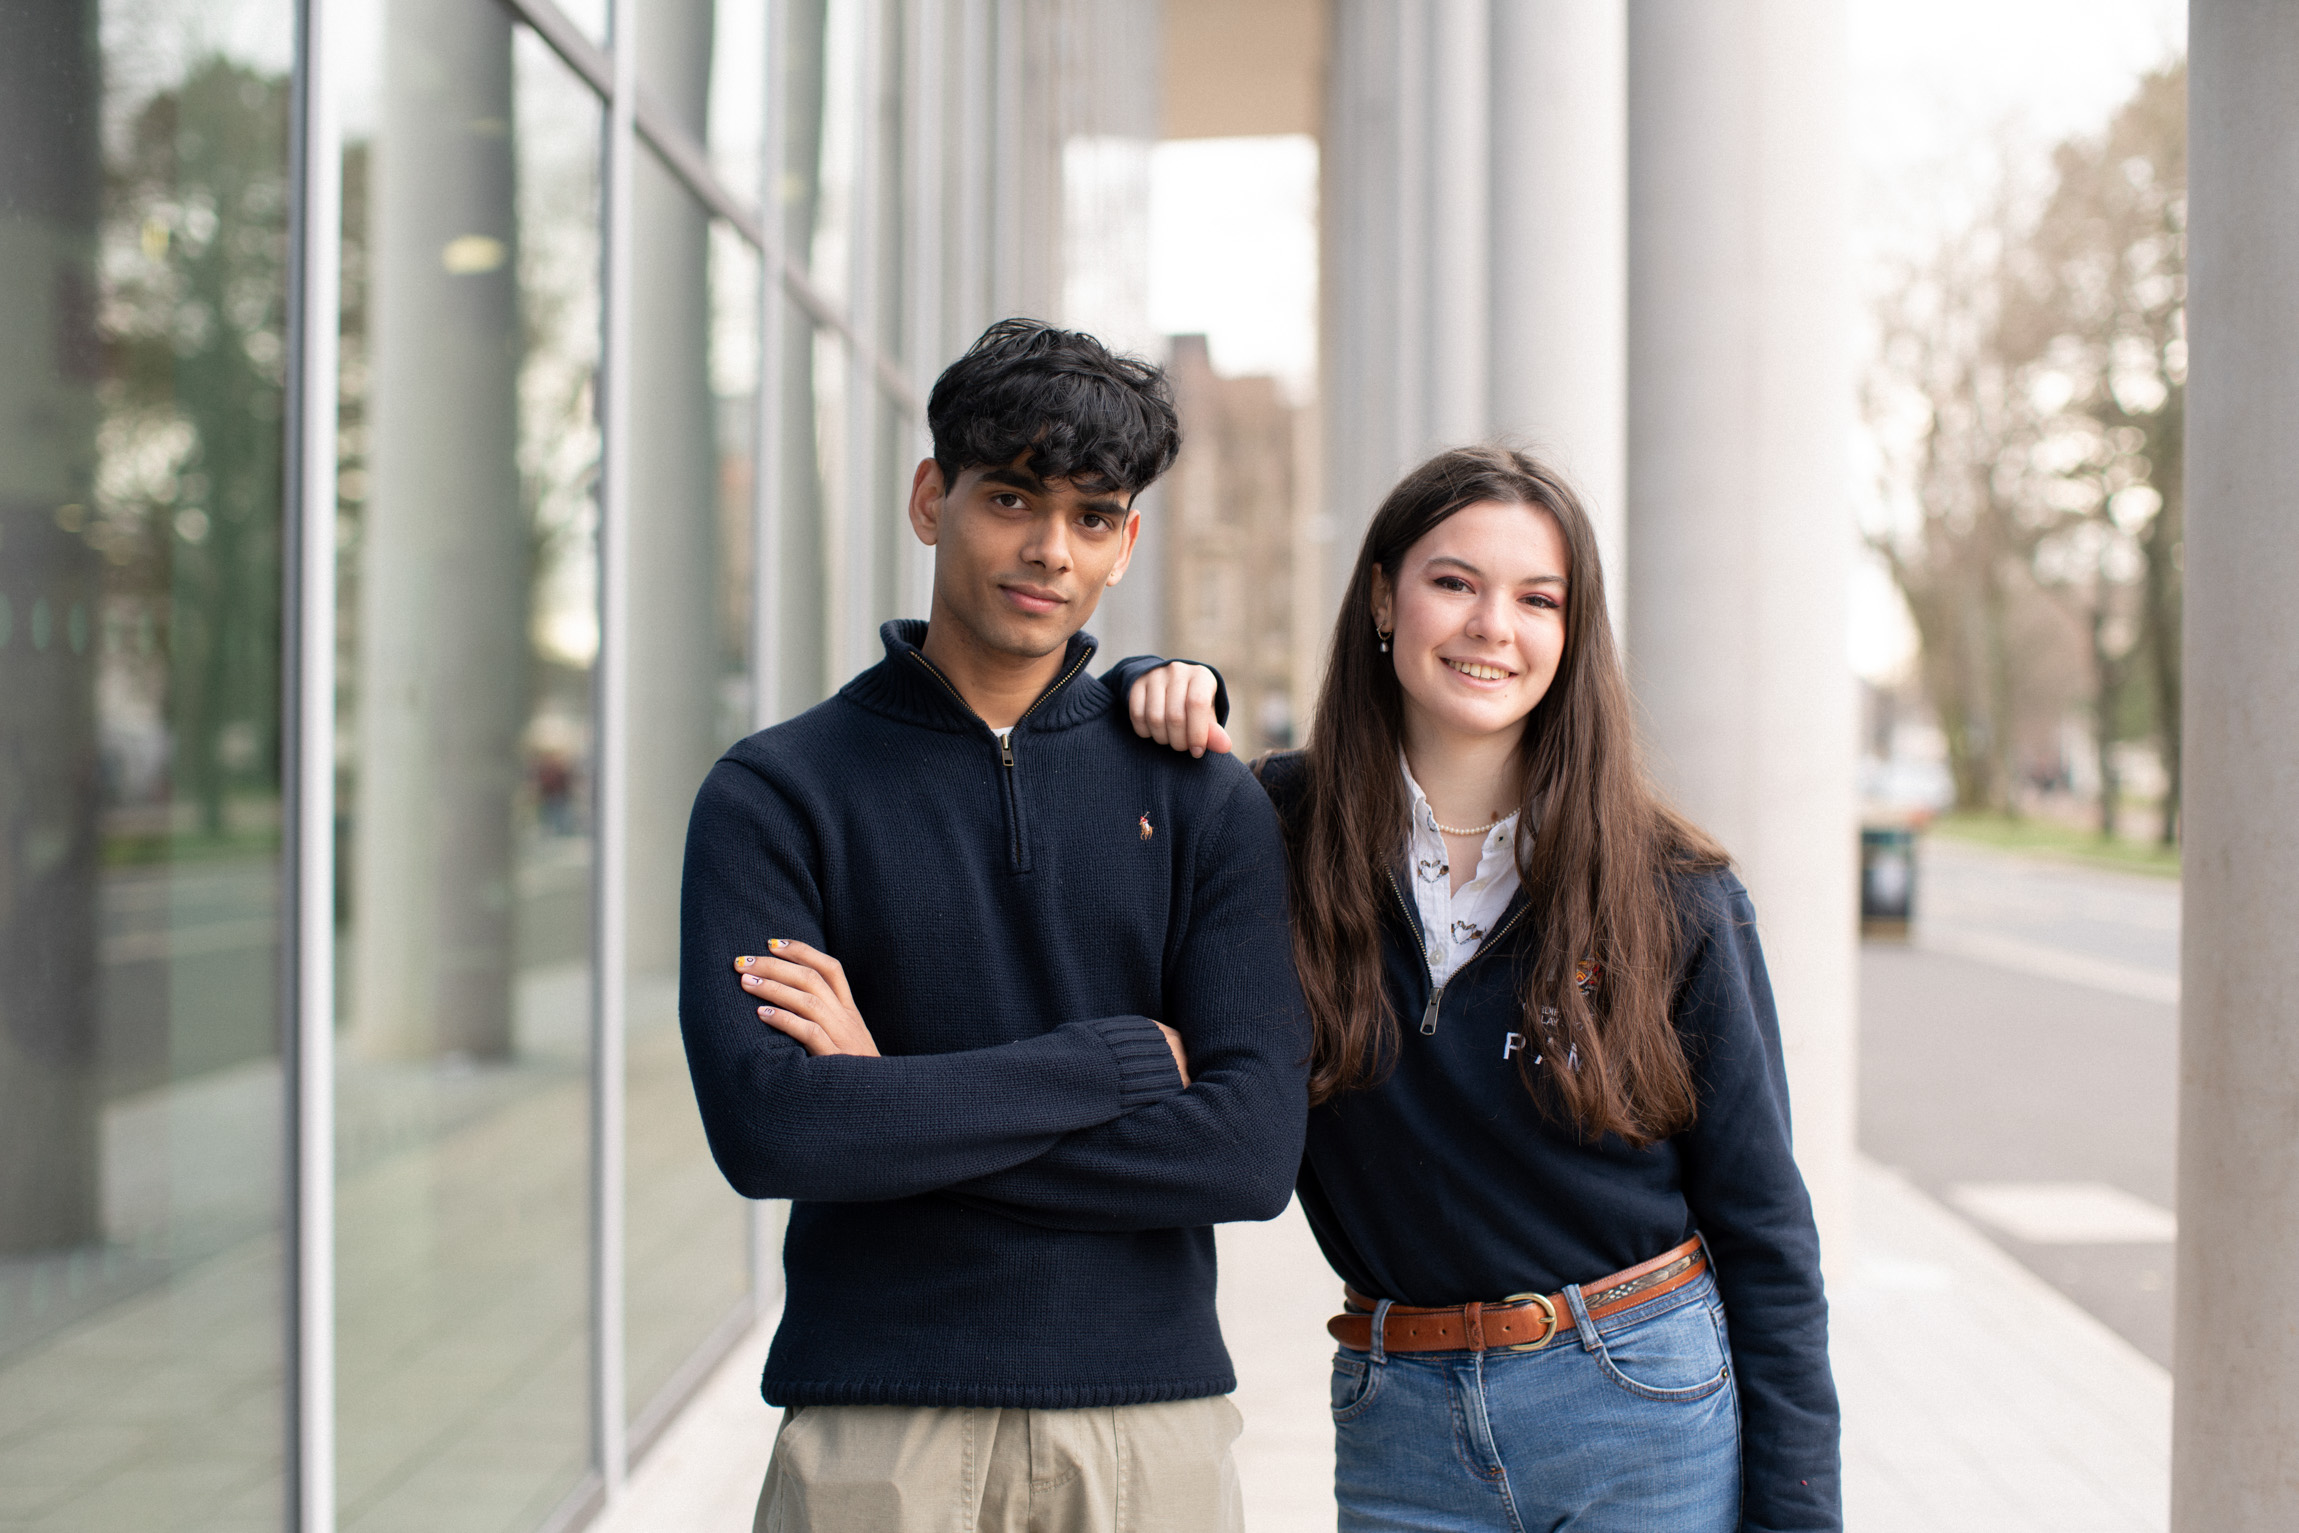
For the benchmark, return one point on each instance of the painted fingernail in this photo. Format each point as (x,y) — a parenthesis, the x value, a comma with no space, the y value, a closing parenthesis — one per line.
(764,1012)
(742,963)
(752,980)
(777,944)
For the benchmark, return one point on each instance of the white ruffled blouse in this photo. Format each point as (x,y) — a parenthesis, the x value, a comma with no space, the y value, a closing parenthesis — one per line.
(1455,922)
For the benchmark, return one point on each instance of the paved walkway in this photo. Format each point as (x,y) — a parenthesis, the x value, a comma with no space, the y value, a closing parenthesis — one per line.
(1975,1396)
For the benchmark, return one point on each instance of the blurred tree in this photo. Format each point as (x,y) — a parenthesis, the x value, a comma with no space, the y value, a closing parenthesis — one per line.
(1945,405)
(198,333)
(355,367)
(2099,318)
(2028,400)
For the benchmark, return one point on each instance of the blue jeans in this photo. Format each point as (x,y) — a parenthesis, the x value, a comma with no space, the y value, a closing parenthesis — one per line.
(1629,1425)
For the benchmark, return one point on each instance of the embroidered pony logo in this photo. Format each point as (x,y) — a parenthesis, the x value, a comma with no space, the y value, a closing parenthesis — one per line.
(1147,830)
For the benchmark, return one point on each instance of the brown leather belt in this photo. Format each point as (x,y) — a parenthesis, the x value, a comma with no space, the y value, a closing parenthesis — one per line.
(1523,1322)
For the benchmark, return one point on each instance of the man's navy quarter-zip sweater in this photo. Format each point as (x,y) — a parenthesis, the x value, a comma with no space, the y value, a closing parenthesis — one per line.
(1011,1208)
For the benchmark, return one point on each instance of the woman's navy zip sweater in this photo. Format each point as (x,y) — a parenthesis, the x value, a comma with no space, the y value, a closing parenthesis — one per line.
(1011,1208)
(1446,1183)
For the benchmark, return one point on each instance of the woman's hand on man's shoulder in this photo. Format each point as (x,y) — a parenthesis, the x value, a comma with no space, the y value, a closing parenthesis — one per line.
(1174,705)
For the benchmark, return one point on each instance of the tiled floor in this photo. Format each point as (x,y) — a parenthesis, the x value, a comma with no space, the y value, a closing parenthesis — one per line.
(162,1414)
(1976,1398)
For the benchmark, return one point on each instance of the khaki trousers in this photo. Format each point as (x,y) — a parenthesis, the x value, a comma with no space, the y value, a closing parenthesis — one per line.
(1164,1468)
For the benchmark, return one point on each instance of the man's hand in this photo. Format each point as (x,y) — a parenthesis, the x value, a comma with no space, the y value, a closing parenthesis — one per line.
(806,996)
(1180,1054)
(1173,705)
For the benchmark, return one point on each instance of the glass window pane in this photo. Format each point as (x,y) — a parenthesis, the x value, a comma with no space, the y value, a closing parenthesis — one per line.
(143,217)
(469,457)
(737,65)
(590,15)
(694,376)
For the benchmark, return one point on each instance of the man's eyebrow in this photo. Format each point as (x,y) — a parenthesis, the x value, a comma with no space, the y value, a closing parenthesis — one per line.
(1466,567)
(1112,504)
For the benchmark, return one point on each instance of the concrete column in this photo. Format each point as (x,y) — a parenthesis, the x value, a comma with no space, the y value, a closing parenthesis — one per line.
(1023,182)
(927,55)
(972,177)
(890,442)
(1037,151)
(674,656)
(1453,184)
(863,596)
(1110,86)
(51,188)
(444,557)
(1406,205)
(2235,1415)
(801,576)
(1363,211)
(1408,255)
(1559,263)
(1739,420)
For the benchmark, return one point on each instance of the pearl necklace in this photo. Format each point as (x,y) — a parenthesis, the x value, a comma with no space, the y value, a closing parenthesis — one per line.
(1459,830)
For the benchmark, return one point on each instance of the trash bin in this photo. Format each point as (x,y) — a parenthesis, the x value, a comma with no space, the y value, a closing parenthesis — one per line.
(1887,881)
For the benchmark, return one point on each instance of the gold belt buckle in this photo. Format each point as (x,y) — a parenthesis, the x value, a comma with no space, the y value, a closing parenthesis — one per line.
(1547,1308)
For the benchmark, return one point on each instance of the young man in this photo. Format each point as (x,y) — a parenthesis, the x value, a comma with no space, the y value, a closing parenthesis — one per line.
(1001,996)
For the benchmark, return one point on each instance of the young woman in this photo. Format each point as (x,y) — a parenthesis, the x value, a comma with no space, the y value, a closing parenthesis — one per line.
(1549,1150)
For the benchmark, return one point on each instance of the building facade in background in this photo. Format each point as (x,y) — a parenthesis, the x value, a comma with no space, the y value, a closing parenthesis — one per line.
(1230,514)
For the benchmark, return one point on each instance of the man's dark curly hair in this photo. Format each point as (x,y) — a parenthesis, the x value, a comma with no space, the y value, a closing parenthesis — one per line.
(1105,423)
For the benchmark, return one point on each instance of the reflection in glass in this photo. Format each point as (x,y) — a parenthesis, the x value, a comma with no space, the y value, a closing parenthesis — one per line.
(686,1263)
(673,645)
(143,213)
(687,1267)
(443,573)
(802,609)
(469,457)
(738,50)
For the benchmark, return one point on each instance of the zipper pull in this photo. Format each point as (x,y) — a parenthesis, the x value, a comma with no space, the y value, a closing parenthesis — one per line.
(1429,1017)
(1006,749)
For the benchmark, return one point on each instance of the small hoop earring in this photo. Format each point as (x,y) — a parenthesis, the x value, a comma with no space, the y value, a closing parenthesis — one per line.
(1384,638)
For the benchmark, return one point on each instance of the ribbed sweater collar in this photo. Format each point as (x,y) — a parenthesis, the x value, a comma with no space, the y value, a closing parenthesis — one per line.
(906,686)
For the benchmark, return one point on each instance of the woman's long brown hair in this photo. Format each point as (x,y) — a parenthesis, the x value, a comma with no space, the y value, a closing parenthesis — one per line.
(1597,872)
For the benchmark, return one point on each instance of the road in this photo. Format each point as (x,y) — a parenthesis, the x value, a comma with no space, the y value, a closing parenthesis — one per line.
(2019,1061)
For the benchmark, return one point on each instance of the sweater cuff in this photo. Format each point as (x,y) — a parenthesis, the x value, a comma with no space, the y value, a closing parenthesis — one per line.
(1146,1071)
